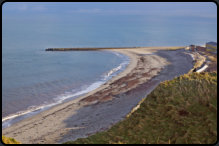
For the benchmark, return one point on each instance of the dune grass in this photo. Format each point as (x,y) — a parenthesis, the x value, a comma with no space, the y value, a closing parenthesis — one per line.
(179,111)
(211,50)
(8,140)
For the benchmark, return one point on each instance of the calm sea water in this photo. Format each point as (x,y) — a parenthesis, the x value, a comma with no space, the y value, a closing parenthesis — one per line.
(33,78)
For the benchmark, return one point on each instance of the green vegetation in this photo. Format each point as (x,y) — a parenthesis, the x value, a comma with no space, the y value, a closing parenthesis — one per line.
(181,111)
(8,140)
(211,50)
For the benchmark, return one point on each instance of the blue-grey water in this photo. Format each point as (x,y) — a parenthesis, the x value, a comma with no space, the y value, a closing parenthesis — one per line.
(32,77)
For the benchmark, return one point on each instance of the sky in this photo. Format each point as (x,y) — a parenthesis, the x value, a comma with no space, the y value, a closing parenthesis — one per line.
(198,9)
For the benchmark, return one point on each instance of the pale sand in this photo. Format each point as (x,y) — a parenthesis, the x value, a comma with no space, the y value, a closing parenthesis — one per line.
(101,108)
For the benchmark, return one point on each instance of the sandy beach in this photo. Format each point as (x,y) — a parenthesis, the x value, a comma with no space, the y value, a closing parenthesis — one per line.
(105,106)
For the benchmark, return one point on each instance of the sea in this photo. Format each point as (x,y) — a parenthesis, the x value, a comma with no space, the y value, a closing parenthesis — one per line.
(34,80)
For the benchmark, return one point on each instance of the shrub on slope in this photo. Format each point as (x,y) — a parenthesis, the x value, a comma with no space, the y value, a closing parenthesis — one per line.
(182,111)
(8,140)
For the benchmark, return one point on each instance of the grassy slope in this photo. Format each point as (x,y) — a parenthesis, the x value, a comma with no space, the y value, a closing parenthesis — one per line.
(7,140)
(183,110)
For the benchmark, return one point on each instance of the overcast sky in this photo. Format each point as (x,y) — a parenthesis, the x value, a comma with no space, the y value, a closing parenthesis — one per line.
(199,9)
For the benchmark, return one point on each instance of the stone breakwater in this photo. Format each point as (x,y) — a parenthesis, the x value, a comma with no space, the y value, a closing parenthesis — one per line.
(86,49)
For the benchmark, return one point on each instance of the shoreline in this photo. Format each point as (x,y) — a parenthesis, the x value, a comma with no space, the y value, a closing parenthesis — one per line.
(52,126)
(11,119)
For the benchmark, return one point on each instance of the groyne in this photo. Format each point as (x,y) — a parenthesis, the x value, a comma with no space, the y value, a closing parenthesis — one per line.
(87,49)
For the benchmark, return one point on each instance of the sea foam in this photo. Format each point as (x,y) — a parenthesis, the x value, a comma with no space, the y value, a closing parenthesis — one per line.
(33,110)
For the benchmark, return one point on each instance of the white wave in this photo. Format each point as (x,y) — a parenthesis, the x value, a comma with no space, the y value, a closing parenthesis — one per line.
(114,70)
(58,100)
(92,87)
(193,56)
(118,54)
(68,95)
(20,113)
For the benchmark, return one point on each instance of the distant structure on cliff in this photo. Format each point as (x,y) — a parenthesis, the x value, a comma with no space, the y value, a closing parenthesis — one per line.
(200,48)
(211,45)
(192,47)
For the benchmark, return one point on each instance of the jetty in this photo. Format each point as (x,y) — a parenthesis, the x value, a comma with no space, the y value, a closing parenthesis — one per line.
(87,49)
